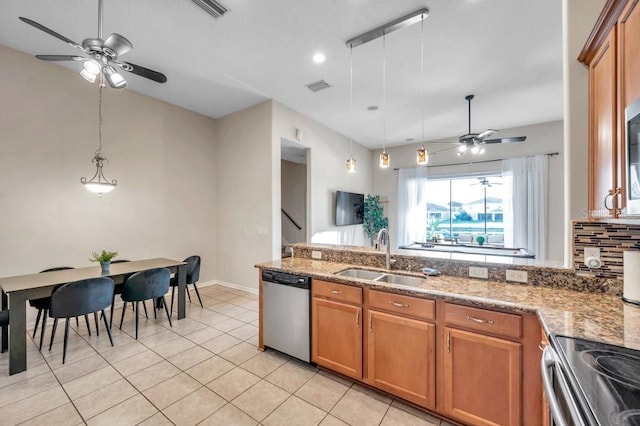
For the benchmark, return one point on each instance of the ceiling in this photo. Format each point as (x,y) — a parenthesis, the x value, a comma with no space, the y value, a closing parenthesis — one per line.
(507,52)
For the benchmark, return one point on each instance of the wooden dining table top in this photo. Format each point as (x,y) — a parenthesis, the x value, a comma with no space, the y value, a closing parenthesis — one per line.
(31,281)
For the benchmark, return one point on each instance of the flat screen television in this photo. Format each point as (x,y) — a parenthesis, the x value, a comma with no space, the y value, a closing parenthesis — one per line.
(349,208)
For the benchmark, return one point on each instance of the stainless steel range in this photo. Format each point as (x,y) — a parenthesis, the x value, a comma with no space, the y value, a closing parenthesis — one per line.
(592,383)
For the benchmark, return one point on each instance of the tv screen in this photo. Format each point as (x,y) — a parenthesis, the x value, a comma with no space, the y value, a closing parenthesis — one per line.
(349,208)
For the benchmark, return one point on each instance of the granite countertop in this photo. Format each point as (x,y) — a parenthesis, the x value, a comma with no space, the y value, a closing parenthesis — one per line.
(593,316)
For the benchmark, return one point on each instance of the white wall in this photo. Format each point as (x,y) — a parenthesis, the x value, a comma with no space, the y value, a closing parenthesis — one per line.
(244,175)
(541,139)
(328,154)
(161,155)
(294,201)
(578,18)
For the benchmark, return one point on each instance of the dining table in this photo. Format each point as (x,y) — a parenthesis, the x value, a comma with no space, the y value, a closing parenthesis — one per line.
(22,288)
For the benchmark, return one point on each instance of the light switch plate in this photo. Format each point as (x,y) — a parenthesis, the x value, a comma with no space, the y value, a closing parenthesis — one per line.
(478,272)
(517,276)
(316,254)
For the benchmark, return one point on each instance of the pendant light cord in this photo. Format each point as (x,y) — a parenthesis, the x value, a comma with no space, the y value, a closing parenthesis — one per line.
(384,92)
(351,98)
(422,74)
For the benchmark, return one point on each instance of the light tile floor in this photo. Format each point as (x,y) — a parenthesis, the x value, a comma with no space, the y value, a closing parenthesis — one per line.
(205,370)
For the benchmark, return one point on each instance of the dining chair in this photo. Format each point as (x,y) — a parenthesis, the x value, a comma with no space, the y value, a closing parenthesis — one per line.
(80,298)
(146,285)
(118,290)
(193,275)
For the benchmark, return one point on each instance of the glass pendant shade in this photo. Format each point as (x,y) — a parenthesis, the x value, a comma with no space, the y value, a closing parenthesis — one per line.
(351,165)
(99,184)
(92,66)
(88,76)
(384,160)
(422,156)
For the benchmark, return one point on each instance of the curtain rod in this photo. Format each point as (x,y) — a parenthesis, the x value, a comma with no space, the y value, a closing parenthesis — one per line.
(549,154)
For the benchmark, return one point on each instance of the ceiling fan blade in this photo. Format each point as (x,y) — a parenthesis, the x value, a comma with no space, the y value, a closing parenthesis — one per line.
(50,32)
(142,71)
(486,134)
(116,45)
(507,140)
(60,58)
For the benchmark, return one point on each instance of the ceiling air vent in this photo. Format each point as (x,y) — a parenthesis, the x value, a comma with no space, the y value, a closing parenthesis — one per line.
(318,85)
(212,7)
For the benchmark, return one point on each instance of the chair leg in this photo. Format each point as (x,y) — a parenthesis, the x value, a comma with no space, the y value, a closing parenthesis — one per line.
(124,309)
(5,339)
(77,323)
(44,325)
(137,317)
(167,311)
(113,302)
(198,294)
(66,337)
(144,305)
(155,316)
(186,290)
(37,321)
(173,290)
(95,317)
(107,326)
(86,319)
(53,332)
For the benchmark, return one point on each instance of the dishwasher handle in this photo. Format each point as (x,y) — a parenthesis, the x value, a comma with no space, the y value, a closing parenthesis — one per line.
(548,363)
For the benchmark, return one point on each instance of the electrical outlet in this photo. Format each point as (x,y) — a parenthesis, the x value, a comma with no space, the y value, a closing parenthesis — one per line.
(478,272)
(518,276)
(316,254)
(592,252)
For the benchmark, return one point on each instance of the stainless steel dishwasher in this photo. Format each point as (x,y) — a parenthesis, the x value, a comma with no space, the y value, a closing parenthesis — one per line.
(286,313)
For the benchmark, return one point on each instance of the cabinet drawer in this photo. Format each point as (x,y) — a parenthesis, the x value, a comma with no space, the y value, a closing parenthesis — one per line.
(498,323)
(404,305)
(341,292)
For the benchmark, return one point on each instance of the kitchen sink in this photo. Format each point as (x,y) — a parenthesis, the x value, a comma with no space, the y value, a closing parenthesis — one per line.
(364,274)
(360,273)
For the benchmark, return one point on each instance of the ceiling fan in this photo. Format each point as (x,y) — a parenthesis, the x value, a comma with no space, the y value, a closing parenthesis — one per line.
(486,182)
(474,141)
(101,56)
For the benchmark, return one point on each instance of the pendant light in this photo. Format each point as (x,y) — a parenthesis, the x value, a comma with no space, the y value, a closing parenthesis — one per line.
(384,156)
(351,162)
(422,156)
(99,184)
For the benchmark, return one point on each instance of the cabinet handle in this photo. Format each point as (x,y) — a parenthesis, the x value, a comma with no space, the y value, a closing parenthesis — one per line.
(399,305)
(479,320)
(358,319)
(370,322)
(613,193)
(448,341)
(542,345)
(335,291)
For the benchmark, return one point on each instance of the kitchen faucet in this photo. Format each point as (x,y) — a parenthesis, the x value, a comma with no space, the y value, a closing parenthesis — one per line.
(381,233)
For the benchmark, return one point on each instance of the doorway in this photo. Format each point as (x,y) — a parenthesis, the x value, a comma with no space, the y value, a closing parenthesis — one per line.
(293,194)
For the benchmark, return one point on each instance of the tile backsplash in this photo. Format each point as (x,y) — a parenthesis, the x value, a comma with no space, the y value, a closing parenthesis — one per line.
(611,238)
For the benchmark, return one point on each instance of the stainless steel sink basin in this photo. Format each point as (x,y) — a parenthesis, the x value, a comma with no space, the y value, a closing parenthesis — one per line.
(360,273)
(400,279)
(364,274)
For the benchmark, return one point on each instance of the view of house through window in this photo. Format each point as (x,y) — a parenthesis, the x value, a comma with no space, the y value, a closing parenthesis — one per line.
(462,209)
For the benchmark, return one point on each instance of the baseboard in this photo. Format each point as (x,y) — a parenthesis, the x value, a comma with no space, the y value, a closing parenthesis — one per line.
(237,287)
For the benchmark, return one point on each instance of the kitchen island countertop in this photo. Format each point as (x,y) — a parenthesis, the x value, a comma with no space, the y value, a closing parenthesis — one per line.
(587,315)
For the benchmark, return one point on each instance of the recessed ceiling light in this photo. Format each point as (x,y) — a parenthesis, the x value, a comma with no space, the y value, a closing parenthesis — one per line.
(372,107)
(319,58)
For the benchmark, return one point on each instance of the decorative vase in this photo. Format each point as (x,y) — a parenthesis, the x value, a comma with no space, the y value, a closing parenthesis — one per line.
(480,240)
(105,267)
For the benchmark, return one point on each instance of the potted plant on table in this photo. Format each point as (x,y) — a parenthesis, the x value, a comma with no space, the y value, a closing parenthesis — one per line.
(104,258)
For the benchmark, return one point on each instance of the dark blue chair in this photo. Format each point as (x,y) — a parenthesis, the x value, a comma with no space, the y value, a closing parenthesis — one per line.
(146,285)
(193,275)
(80,298)
(118,290)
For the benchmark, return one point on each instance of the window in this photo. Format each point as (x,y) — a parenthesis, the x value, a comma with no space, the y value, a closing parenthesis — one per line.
(461,209)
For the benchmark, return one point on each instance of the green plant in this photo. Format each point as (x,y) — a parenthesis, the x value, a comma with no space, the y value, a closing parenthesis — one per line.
(105,256)
(374,219)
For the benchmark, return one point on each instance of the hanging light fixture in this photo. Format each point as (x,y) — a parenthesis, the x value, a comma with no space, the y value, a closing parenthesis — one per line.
(422,155)
(99,184)
(351,162)
(384,156)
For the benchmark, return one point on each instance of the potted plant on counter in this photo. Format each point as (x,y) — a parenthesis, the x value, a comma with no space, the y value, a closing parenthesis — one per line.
(104,258)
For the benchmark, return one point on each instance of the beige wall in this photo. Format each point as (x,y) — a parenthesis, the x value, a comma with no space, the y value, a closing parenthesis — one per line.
(541,138)
(161,155)
(294,201)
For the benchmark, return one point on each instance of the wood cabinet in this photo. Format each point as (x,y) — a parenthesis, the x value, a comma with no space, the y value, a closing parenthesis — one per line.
(336,330)
(612,54)
(400,349)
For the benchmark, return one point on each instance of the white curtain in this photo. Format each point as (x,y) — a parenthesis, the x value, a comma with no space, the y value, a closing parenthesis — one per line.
(412,205)
(525,206)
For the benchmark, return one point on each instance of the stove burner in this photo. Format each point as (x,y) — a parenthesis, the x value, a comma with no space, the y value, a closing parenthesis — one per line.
(617,366)
(629,418)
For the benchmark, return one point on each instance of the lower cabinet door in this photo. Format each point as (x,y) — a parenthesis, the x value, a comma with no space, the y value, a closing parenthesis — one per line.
(482,378)
(337,337)
(401,357)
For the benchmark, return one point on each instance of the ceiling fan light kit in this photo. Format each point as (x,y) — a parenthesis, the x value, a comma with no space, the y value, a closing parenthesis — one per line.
(102,56)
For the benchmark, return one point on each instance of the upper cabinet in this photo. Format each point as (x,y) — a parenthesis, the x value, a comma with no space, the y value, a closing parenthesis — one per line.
(612,54)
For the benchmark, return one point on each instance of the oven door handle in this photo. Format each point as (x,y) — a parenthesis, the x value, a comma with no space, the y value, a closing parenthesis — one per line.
(550,360)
